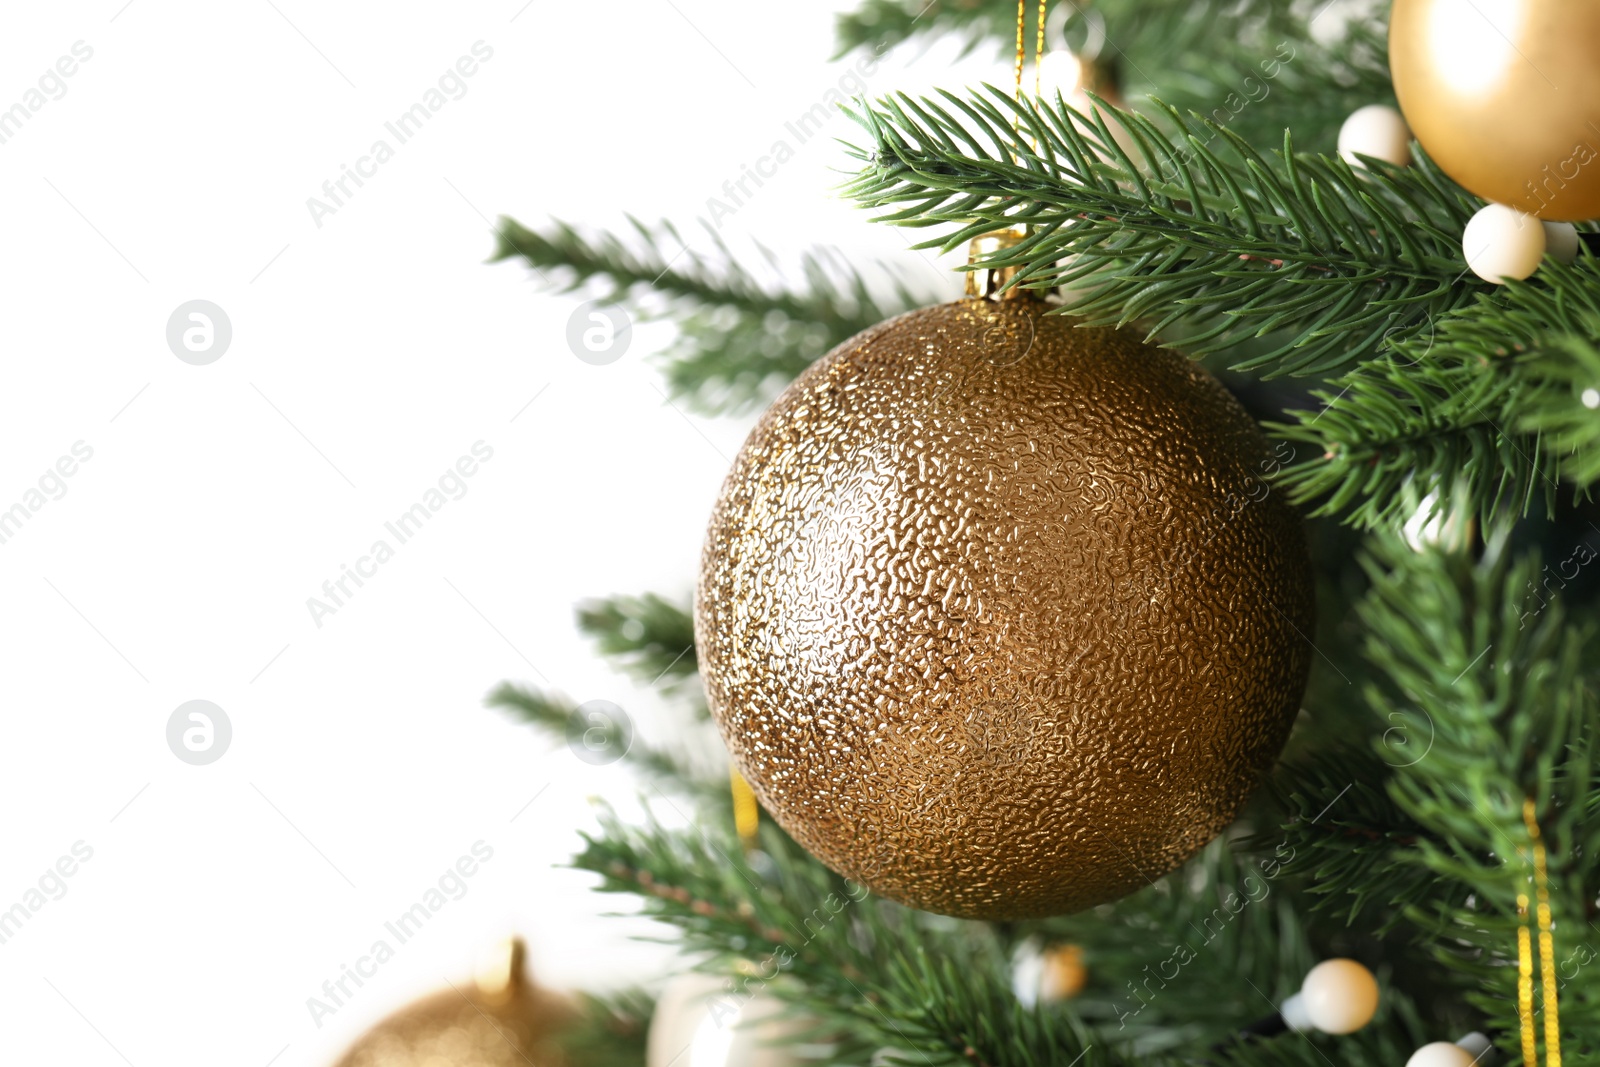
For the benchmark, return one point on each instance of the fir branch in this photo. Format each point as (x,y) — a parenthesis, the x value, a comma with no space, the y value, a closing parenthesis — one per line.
(872,974)
(1347,844)
(1138,30)
(738,340)
(553,714)
(1256,66)
(1171,968)
(1566,371)
(649,636)
(1374,1044)
(1186,962)
(1485,409)
(1234,241)
(1502,709)
(610,1030)
(1280,78)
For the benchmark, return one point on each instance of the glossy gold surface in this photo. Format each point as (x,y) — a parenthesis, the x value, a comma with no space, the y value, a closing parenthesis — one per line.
(1505,96)
(995,614)
(501,1020)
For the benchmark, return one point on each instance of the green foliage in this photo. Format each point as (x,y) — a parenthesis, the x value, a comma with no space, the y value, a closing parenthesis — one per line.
(1483,408)
(649,636)
(1347,845)
(938,991)
(1566,371)
(1255,65)
(554,714)
(1227,239)
(1453,391)
(1396,833)
(1476,703)
(1499,708)
(610,1030)
(738,340)
(1188,961)
(865,969)
(1137,29)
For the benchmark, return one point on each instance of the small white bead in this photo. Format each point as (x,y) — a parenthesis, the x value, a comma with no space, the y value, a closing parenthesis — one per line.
(1294,1014)
(1339,996)
(1560,241)
(1377,131)
(1440,1054)
(1476,1044)
(1501,242)
(1591,398)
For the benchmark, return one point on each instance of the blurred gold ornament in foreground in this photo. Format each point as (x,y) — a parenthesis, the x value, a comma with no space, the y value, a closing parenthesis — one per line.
(500,1020)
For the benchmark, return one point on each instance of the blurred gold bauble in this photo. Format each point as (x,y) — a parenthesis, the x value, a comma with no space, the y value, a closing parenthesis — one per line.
(996,614)
(500,1020)
(1505,96)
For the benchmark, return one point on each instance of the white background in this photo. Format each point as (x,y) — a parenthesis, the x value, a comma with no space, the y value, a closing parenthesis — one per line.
(367,355)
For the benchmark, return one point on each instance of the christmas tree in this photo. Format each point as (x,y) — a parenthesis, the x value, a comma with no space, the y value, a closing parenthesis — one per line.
(1429,816)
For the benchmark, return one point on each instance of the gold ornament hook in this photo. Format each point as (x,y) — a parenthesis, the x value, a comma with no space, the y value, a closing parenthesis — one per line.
(988,281)
(504,970)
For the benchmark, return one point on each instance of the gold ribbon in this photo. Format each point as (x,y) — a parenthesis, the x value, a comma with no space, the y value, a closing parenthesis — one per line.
(746,811)
(1547,955)
(1022,47)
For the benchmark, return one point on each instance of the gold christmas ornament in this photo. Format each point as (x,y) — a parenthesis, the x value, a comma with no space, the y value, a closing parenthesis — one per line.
(996,613)
(1505,97)
(499,1020)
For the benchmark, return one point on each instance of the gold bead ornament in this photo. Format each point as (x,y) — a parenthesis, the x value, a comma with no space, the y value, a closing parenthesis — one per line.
(1505,97)
(997,614)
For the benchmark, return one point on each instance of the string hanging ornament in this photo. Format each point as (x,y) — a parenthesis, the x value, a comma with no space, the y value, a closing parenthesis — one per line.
(1537,919)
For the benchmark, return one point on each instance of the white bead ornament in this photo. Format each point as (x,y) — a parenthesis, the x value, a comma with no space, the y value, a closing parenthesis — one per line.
(1337,997)
(1440,1054)
(1377,131)
(1560,241)
(1443,1054)
(1501,242)
(1060,71)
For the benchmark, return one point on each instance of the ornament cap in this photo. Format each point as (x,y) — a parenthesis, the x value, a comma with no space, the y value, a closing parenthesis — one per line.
(502,972)
(987,281)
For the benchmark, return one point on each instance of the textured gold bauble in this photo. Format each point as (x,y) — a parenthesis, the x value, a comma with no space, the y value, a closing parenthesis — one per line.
(996,614)
(500,1020)
(1505,96)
